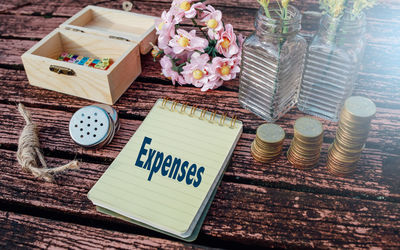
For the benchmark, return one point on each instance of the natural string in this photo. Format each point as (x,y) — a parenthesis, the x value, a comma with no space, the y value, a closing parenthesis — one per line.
(29,151)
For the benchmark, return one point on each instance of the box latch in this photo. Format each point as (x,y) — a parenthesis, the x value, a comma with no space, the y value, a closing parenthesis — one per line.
(61,70)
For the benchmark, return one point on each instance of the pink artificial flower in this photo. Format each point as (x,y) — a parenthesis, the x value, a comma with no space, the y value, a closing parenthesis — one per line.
(187,41)
(185,8)
(212,19)
(225,68)
(213,83)
(238,56)
(226,44)
(166,25)
(196,72)
(165,29)
(166,65)
(241,39)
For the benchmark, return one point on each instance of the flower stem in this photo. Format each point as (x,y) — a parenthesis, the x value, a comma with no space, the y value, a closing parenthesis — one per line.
(202,31)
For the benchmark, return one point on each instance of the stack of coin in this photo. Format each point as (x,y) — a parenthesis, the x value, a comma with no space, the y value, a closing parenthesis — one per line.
(305,149)
(267,146)
(354,125)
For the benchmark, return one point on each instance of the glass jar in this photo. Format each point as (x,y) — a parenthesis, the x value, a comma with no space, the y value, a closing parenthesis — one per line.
(333,61)
(272,64)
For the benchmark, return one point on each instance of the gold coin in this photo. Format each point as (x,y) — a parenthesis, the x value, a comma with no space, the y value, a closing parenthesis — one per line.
(268,147)
(300,162)
(360,107)
(270,133)
(308,127)
(262,153)
(343,159)
(262,159)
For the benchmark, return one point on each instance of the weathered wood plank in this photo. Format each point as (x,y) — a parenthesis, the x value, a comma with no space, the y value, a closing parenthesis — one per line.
(240,212)
(371,179)
(384,90)
(379,58)
(140,97)
(379,31)
(24,231)
(386,9)
(382,18)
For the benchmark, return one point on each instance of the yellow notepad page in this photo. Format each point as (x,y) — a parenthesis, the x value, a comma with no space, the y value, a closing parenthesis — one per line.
(166,173)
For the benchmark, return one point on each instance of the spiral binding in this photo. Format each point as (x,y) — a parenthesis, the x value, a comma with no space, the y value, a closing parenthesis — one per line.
(203,114)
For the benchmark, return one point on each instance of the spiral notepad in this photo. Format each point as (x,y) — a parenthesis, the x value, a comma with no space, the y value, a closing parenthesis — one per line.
(167,174)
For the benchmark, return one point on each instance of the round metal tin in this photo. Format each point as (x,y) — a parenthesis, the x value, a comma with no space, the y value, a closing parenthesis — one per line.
(90,126)
(112,112)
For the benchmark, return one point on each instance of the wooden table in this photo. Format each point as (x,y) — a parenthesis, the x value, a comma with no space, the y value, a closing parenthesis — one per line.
(256,204)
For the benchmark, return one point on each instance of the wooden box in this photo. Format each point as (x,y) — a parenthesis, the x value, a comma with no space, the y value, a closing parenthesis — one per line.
(97,33)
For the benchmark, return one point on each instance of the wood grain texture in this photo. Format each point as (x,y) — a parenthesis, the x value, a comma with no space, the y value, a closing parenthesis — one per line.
(370,180)
(140,97)
(23,231)
(240,212)
(384,90)
(257,204)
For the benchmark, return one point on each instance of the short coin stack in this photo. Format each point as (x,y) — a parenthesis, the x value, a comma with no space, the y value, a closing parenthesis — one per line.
(267,146)
(354,126)
(305,149)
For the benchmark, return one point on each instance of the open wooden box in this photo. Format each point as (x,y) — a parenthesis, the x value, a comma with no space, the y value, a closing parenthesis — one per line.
(97,33)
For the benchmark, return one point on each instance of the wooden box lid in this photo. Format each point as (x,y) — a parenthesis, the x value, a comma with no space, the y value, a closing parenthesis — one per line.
(116,24)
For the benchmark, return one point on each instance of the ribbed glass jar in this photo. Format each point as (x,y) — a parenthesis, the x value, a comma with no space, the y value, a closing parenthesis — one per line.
(333,61)
(272,64)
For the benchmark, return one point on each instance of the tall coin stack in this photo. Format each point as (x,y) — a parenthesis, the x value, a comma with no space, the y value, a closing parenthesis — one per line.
(354,125)
(267,146)
(305,149)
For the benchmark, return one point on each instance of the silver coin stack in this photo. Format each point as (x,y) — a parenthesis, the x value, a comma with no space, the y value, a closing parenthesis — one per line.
(94,126)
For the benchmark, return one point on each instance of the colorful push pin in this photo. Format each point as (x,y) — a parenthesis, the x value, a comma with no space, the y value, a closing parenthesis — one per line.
(88,62)
(64,54)
(73,58)
(94,62)
(99,65)
(83,60)
(106,61)
(78,59)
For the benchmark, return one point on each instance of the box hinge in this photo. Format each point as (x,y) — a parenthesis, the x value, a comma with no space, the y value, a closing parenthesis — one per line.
(74,29)
(119,38)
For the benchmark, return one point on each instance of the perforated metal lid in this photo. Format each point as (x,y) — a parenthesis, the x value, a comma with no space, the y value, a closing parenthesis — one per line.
(112,112)
(90,126)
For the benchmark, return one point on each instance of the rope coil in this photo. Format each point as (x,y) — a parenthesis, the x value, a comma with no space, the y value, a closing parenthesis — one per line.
(29,151)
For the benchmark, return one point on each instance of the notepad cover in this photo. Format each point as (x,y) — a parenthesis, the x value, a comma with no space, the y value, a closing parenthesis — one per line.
(141,184)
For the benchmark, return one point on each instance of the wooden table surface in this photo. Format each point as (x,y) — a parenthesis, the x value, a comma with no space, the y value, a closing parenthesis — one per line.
(257,204)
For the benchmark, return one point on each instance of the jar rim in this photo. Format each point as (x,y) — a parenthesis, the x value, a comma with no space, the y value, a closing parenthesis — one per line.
(338,18)
(295,15)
